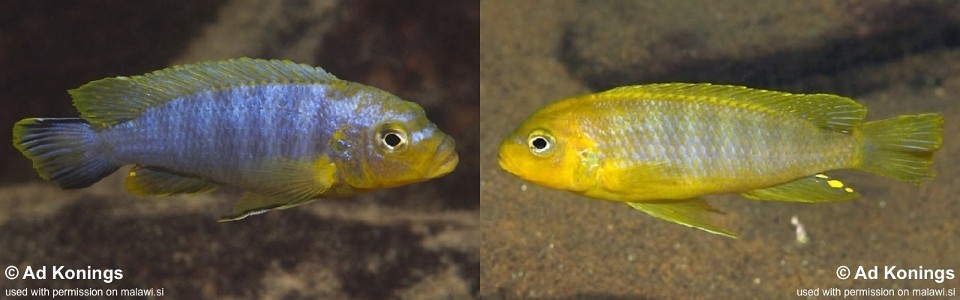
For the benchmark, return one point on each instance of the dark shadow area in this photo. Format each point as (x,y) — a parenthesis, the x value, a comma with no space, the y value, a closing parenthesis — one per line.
(888,33)
(232,259)
(47,47)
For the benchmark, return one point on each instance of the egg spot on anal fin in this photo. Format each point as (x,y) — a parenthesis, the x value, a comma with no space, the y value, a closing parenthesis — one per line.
(835,183)
(812,189)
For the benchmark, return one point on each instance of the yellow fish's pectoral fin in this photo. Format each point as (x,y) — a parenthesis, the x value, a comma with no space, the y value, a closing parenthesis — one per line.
(813,189)
(639,179)
(147,181)
(255,203)
(691,212)
(284,183)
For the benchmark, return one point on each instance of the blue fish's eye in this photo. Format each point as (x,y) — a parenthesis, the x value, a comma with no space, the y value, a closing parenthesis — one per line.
(540,143)
(392,139)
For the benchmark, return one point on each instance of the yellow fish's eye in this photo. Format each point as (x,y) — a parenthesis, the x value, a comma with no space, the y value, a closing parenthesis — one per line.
(392,139)
(541,143)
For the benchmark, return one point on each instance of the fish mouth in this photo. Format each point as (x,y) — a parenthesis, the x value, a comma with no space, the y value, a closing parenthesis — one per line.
(504,162)
(445,159)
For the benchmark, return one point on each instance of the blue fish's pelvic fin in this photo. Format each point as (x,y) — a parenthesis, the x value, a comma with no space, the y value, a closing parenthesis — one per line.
(255,203)
(692,212)
(813,189)
(147,181)
(64,151)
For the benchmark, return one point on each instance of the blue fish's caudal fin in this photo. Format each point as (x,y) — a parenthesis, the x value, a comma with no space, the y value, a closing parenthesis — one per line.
(902,147)
(62,150)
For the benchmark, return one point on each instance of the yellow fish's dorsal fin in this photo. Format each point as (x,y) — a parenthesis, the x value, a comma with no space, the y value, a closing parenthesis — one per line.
(286,183)
(114,100)
(692,212)
(813,189)
(147,181)
(823,110)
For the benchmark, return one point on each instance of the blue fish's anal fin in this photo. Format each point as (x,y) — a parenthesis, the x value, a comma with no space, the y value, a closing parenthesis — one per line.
(147,181)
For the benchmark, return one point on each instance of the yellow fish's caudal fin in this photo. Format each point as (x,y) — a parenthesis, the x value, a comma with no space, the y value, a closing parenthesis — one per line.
(63,150)
(692,212)
(902,147)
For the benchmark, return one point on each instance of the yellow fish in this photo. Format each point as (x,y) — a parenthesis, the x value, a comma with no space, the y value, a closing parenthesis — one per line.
(659,147)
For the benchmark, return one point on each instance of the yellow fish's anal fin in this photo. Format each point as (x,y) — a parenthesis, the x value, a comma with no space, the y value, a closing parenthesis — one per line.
(813,189)
(255,203)
(147,181)
(826,111)
(692,212)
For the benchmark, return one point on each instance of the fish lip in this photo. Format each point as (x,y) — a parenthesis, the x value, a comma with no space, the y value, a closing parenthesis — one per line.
(445,158)
(504,163)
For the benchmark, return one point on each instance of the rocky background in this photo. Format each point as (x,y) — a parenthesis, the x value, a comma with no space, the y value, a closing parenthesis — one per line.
(896,57)
(416,242)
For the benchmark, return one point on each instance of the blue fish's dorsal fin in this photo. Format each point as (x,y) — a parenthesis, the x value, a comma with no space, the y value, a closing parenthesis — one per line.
(114,100)
(826,111)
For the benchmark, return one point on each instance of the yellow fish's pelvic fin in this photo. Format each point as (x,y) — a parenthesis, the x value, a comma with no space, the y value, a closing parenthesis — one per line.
(114,100)
(902,147)
(284,183)
(255,203)
(813,189)
(691,212)
(147,181)
(826,111)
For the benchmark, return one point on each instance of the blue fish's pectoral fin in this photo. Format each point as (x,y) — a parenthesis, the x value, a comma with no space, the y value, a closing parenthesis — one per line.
(255,203)
(691,212)
(147,181)
(284,183)
(812,189)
